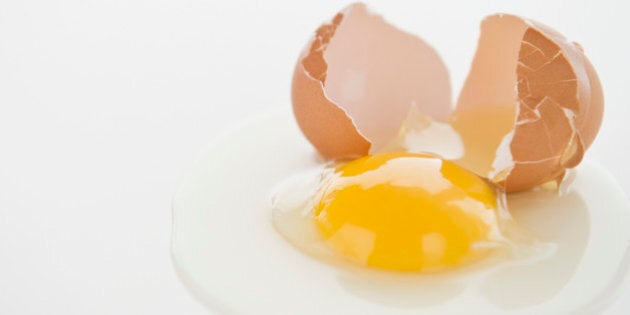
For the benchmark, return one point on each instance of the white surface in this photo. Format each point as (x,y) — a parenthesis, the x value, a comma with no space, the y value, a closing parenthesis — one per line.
(229,255)
(105,104)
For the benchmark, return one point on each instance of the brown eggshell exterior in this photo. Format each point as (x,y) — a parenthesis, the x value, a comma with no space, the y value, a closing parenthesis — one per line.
(328,127)
(324,124)
(554,76)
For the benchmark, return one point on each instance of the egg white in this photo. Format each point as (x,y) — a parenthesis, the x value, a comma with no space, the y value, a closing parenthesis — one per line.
(228,254)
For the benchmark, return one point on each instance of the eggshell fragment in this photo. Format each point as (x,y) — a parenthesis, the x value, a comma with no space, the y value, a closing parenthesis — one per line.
(543,93)
(356,81)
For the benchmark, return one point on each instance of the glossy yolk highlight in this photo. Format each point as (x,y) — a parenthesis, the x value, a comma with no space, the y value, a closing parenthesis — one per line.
(408,212)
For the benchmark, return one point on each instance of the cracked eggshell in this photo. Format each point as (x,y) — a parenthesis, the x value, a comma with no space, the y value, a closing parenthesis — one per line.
(549,97)
(357,79)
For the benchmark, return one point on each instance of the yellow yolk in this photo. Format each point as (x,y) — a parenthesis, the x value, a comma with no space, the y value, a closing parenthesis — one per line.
(408,212)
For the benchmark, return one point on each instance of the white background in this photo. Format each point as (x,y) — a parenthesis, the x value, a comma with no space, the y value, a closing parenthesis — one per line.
(104,105)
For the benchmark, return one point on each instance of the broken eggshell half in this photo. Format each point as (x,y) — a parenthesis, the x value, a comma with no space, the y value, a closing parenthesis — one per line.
(530,106)
(355,82)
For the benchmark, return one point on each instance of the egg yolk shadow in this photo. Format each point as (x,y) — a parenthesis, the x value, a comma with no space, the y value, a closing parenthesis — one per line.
(401,290)
(561,220)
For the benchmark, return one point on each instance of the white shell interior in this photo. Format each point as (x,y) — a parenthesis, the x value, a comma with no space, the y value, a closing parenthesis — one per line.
(230,257)
(376,72)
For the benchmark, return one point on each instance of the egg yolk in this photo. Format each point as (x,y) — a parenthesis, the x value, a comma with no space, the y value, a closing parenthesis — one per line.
(408,212)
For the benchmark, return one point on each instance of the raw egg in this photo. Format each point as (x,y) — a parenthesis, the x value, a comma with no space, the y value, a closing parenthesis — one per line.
(398,201)
(233,255)
(402,211)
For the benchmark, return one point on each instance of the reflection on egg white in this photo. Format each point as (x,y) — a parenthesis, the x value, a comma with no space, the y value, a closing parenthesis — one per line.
(561,219)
